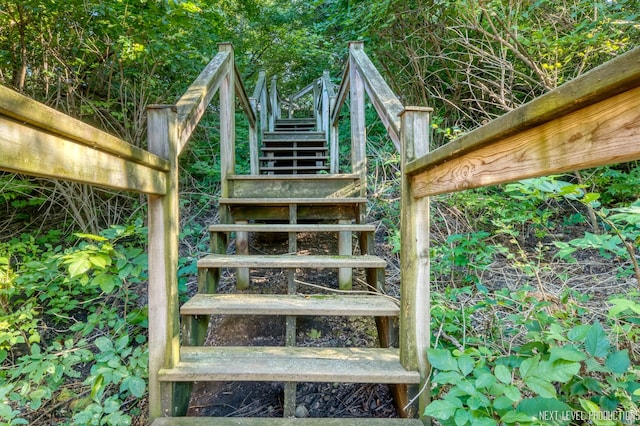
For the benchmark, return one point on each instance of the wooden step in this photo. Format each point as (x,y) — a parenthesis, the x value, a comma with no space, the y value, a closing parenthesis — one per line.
(288,135)
(316,185)
(289,364)
(298,148)
(298,157)
(282,304)
(289,261)
(328,227)
(293,168)
(279,421)
(290,201)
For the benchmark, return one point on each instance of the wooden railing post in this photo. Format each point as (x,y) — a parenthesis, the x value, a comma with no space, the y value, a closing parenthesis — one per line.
(164,219)
(253,141)
(275,106)
(414,257)
(227,121)
(358,124)
(326,105)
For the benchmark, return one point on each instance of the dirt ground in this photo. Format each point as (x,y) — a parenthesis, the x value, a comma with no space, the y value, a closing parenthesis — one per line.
(249,399)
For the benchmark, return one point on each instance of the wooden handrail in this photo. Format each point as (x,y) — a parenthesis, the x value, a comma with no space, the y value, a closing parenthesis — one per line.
(245,103)
(384,100)
(193,103)
(39,116)
(587,122)
(39,141)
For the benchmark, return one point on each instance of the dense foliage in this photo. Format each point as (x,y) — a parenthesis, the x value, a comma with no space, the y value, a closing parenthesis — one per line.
(72,262)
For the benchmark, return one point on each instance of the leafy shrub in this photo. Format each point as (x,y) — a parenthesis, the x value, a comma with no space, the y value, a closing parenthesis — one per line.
(96,359)
(564,370)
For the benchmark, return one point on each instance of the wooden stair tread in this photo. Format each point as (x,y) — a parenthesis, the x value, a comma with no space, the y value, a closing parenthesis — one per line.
(279,421)
(297,157)
(282,304)
(289,201)
(289,364)
(292,133)
(340,176)
(278,227)
(299,148)
(289,261)
(293,168)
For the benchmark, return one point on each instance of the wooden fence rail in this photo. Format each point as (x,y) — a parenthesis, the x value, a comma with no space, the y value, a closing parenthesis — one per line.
(40,141)
(591,121)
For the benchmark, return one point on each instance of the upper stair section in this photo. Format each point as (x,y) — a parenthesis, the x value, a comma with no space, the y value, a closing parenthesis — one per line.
(294,147)
(316,197)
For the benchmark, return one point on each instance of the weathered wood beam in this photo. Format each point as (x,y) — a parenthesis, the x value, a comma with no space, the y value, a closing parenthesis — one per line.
(28,150)
(341,97)
(193,103)
(358,119)
(302,92)
(587,122)
(48,120)
(245,102)
(384,100)
(607,132)
(164,220)
(414,256)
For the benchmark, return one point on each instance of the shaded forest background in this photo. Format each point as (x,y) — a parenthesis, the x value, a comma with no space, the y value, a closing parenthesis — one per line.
(63,246)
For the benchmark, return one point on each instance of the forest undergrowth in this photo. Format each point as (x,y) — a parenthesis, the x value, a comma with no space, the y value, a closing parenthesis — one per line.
(534,301)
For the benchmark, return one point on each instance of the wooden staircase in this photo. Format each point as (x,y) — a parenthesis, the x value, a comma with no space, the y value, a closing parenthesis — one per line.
(294,147)
(290,197)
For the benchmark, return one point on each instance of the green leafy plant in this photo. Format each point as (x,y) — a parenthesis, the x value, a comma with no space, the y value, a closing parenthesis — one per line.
(96,362)
(565,370)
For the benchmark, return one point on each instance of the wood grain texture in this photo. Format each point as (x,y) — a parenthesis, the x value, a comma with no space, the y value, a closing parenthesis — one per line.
(193,103)
(329,227)
(290,261)
(36,152)
(610,79)
(606,132)
(269,304)
(44,119)
(289,364)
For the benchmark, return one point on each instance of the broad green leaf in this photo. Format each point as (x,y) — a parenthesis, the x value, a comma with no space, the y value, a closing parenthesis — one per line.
(579,333)
(478,401)
(136,386)
(79,266)
(567,353)
(529,366)
(461,417)
(100,260)
(465,364)
(502,403)
(442,359)
(485,380)
(618,362)
(503,374)
(560,370)
(621,305)
(512,393)
(546,409)
(596,342)
(104,344)
(595,413)
(451,377)
(440,409)
(483,421)
(513,417)
(107,282)
(541,386)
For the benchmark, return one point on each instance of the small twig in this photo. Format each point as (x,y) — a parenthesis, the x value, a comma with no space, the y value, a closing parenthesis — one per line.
(348,291)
